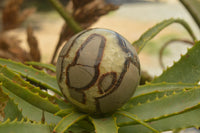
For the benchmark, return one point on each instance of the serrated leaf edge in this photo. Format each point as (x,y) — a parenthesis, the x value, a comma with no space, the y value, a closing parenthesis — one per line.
(56,107)
(174,63)
(165,115)
(31,78)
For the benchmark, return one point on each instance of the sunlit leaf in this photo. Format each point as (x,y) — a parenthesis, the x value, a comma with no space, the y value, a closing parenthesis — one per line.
(23,127)
(38,77)
(135,118)
(105,124)
(12,111)
(179,121)
(27,95)
(166,106)
(16,78)
(30,111)
(43,65)
(67,121)
(152,32)
(186,70)
(152,91)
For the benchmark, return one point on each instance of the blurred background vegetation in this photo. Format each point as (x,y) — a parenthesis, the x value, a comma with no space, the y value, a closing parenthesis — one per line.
(132,19)
(41,5)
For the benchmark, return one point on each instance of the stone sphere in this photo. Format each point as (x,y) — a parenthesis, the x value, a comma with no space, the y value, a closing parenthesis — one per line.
(98,71)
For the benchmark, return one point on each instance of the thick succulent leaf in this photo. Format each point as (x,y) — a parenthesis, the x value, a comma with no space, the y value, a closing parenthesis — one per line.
(149,34)
(179,121)
(86,124)
(12,111)
(3,101)
(32,98)
(166,106)
(152,87)
(193,7)
(68,121)
(152,91)
(149,97)
(43,65)
(17,79)
(105,125)
(77,129)
(186,70)
(23,127)
(64,112)
(40,78)
(135,118)
(29,102)
(30,111)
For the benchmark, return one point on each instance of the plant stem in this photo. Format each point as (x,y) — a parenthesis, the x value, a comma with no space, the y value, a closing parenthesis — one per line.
(66,16)
(170,42)
(187,27)
(152,32)
(190,7)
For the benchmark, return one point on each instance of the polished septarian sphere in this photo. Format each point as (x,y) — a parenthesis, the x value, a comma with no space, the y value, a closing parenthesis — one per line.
(98,70)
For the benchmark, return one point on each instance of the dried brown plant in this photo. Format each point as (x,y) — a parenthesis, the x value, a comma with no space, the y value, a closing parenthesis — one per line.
(10,49)
(12,16)
(86,13)
(33,45)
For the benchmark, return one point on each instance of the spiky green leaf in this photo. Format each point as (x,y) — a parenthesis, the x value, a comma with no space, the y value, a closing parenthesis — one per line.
(152,87)
(30,111)
(12,111)
(29,96)
(166,106)
(186,70)
(152,91)
(105,125)
(68,121)
(135,118)
(23,127)
(64,112)
(43,65)
(40,78)
(18,80)
(75,128)
(149,34)
(179,121)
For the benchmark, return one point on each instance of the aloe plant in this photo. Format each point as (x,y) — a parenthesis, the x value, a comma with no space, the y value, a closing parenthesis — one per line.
(170,102)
